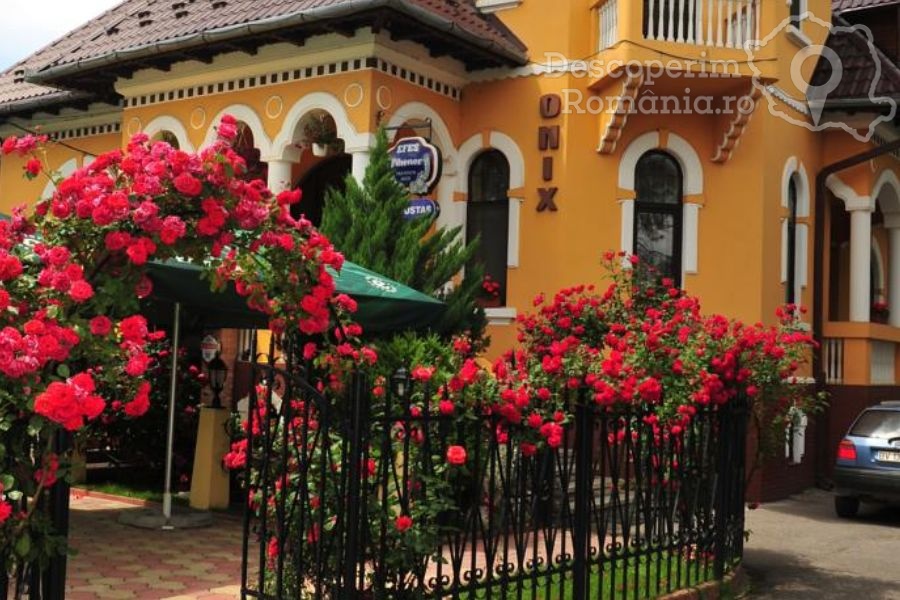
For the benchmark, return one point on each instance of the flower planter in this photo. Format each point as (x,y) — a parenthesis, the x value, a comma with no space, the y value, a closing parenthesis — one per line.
(320,150)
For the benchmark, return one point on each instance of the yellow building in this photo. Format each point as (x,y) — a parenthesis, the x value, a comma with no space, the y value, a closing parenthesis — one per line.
(690,132)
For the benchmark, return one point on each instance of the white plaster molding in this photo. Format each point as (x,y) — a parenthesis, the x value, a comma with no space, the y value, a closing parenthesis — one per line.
(794,168)
(283,144)
(627,231)
(501,316)
(513,153)
(412,111)
(515,224)
(492,6)
(173,126)
(887,181)
(467,152)
(690,250)
(852,200)
(64,170)
(677,146)
(691,165)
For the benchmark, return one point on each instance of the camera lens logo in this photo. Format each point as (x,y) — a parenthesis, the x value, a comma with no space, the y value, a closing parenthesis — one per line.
(816,96)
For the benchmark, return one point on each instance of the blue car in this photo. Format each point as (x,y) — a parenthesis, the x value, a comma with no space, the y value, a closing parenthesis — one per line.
(868,460)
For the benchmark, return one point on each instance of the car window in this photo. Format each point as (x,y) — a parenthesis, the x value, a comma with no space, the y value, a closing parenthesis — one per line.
(882,424)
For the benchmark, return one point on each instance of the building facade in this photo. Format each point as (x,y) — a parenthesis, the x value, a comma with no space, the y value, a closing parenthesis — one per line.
(695,133)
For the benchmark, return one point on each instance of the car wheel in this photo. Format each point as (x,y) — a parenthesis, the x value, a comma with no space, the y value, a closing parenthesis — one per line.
(846,506)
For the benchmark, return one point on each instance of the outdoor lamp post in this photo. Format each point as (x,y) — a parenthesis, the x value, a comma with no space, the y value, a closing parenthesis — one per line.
(400,382)
(218,371)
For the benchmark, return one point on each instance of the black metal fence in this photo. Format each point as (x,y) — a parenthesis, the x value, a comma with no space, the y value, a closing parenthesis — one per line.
(614,512)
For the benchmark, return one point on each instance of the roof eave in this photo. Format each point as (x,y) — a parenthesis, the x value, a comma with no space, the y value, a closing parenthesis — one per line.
(49,75)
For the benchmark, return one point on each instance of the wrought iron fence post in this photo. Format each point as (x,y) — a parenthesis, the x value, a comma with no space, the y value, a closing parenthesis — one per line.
(724,440)
(354,547)
(584,451)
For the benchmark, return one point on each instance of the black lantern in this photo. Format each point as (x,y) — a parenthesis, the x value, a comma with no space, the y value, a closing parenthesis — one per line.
(218,372)
(400,382)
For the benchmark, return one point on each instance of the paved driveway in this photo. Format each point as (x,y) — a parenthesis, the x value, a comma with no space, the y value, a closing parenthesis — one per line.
(799,549)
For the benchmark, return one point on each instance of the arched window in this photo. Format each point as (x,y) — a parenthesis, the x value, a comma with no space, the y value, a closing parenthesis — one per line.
(487,219)
(790,284)
(658,213)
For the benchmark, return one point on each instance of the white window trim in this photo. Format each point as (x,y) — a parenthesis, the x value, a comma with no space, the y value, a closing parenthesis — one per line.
(468,151)
(794,170)
(692,173)
(504,315)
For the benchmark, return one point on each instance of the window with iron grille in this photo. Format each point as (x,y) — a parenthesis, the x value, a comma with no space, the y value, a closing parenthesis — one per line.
(658,213)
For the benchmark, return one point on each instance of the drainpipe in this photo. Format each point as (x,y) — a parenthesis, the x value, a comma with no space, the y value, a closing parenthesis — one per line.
(824,458)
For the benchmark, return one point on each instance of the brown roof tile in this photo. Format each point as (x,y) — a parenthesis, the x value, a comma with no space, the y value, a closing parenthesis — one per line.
(840,6)
(154,27)
(860,63)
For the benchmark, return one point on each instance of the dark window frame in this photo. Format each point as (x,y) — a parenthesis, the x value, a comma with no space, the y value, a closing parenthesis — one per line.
(790,291)
(673,209)
(497,203)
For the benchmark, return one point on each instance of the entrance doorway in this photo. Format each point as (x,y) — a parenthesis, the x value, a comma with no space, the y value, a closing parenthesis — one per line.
(327,174)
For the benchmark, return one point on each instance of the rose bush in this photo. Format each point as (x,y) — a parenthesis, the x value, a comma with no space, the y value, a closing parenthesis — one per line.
(639,349)
(73,345)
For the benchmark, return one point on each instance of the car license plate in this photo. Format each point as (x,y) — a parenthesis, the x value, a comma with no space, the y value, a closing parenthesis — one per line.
(887,456)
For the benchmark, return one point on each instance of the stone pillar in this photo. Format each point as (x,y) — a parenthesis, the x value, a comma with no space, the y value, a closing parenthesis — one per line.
(210,481)
(860,267)
(280,175)
(893,287)
(360,162)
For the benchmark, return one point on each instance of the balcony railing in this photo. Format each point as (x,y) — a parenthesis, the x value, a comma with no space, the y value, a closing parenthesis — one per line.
(833,355)
(713,23)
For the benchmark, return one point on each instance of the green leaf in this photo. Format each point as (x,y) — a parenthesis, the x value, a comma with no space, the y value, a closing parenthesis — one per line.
(63,371)
(23,545)
(35,424)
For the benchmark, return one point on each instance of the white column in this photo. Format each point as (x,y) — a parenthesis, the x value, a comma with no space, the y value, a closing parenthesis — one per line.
(894,278)
(279,175)
(360,162)
(860,264)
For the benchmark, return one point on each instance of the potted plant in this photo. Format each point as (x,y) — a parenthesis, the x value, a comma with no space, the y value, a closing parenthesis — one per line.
(490,293)
(321,133)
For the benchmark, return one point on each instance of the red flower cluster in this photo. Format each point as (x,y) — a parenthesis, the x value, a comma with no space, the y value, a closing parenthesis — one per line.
(70,403)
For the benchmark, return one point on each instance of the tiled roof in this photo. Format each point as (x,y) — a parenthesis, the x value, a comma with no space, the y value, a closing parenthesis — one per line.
(142,29)
(840,6)
(860,63)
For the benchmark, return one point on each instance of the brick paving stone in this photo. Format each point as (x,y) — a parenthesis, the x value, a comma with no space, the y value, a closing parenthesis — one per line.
(116,561)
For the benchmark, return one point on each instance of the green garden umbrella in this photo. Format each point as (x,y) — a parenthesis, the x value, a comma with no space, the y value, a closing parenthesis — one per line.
(384,305)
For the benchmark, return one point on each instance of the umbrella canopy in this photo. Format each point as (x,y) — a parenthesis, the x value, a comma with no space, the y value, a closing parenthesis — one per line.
(384,305)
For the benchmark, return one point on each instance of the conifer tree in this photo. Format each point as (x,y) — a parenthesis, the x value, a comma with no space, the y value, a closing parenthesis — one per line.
(366,223)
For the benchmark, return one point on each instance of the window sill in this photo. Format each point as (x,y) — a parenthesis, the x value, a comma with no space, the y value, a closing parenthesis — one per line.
(799,38)
(501,316)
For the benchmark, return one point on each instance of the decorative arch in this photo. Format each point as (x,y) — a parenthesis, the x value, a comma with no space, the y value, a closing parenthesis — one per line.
(692,185)
(244,113)
(794,168)
(282,147)
(419,110)
(887,191)
(851,200)
(174,126)
(64,170)
(677,146)
(474,146)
